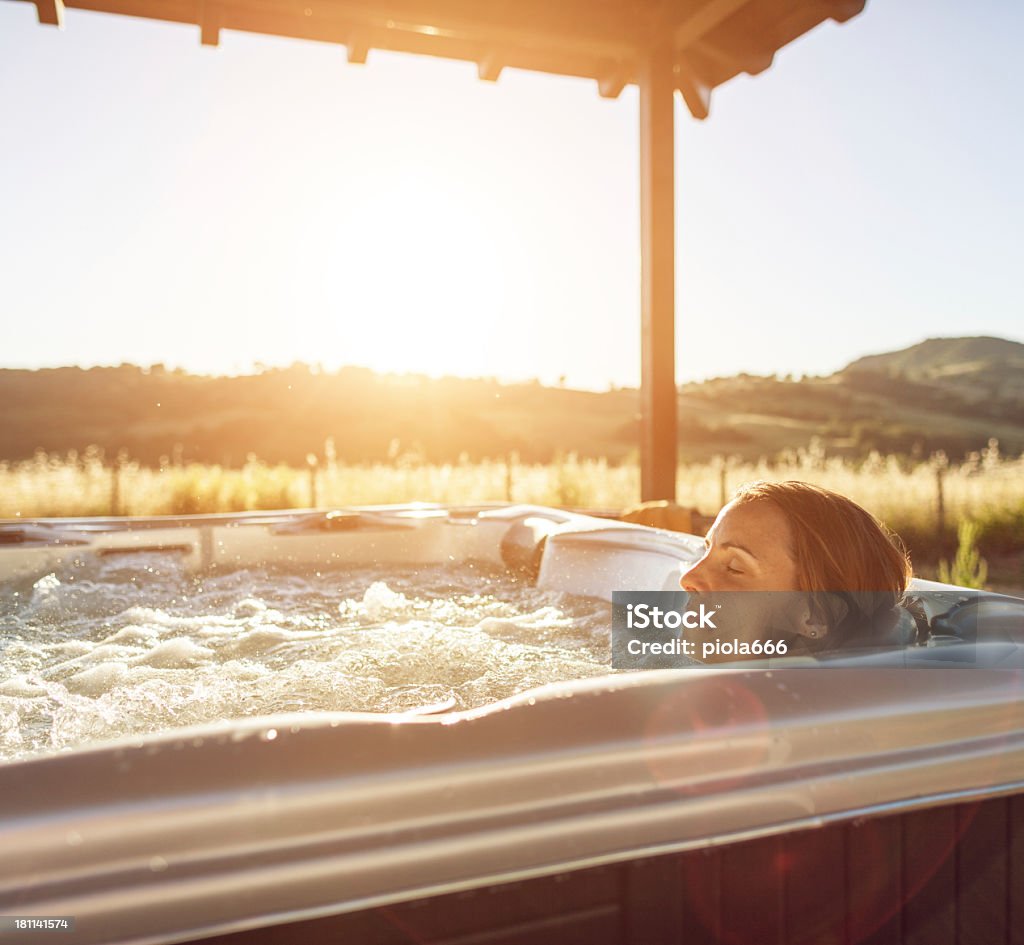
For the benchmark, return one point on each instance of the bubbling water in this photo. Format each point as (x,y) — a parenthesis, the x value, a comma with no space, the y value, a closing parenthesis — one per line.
(133,644)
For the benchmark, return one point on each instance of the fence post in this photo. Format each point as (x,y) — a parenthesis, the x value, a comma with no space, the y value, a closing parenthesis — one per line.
(940,462)
(508,477)
(115,488)
(312,462)
(723,492)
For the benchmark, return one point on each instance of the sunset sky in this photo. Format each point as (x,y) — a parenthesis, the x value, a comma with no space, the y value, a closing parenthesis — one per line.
(268,202)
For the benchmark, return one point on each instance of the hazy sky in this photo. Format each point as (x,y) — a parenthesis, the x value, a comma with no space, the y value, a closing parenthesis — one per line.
(267,202)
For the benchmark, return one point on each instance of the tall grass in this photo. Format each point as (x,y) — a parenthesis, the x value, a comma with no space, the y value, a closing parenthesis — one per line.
(969,568)
(986,488)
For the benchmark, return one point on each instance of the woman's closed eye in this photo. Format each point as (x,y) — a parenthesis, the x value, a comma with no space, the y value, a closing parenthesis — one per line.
(732,569)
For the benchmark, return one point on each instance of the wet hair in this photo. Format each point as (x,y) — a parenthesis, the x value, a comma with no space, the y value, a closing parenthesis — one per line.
(841,551)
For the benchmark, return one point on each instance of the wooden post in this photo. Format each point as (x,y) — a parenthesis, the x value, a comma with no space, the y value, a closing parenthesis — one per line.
(117,504)
(940,462)
(311,461)
(723,477)
(658,446)
(115,488)
(508,476)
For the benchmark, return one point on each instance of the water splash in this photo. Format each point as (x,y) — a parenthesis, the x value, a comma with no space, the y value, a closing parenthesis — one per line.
(127,647)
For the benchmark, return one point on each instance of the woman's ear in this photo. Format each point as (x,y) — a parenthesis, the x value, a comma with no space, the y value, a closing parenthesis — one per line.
(819,613)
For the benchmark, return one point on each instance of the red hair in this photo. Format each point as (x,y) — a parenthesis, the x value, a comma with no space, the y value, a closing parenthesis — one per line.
(837,545)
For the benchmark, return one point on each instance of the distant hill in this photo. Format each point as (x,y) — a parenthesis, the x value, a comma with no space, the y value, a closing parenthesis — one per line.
(983,369)
(944,393)
(951,394)
(946,357)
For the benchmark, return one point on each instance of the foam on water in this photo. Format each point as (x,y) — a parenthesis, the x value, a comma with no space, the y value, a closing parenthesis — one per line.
(132,645)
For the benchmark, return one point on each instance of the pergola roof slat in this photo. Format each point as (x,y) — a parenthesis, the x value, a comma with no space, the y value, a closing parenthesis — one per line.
(605,40)
(51,12)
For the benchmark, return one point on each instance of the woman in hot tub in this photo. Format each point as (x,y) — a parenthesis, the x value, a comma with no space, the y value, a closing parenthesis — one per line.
(846,572)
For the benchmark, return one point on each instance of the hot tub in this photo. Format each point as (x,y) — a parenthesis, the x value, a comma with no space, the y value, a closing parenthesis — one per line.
(879,800)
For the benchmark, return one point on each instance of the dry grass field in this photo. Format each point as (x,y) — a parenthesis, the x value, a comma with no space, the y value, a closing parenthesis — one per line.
(986,488)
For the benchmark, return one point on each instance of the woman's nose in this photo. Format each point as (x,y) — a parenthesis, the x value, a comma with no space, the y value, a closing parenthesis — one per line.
(693,580)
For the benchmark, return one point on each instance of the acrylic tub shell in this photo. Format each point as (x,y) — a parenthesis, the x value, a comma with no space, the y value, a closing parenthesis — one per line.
(192,832)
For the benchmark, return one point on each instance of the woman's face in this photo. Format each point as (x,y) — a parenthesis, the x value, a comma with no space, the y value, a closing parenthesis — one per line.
(747,549)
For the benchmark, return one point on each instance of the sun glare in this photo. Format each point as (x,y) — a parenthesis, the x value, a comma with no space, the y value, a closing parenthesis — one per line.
(416,284)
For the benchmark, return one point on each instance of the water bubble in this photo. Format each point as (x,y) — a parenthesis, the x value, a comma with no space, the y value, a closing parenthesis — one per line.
(48,583)
(129,653)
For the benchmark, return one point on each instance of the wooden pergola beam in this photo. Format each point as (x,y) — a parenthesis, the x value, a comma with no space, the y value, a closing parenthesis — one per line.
(658,438)
(209,23)
(704,19)
(50,12)
(357,48)
(489,67)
